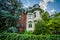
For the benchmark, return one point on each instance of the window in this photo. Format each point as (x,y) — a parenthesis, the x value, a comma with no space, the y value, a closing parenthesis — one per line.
(34,14)
(35,21)
(30,25)
(30,16)
(30,22)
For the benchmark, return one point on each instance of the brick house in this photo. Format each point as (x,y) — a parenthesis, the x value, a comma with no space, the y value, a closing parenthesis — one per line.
(28,19)
(22,22)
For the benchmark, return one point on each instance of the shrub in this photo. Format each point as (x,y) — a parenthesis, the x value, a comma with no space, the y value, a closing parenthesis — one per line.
(40,28)
(28,32)
(16,36)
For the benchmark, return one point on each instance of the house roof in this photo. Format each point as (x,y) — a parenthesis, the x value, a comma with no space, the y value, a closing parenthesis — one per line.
(31,9)
(36,6)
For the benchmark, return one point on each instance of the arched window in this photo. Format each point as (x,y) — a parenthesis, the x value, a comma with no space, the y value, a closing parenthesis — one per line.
(30,25)
(30,22)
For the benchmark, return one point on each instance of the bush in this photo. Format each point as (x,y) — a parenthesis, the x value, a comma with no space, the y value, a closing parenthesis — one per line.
(16,36)
(28,32)
(40,28)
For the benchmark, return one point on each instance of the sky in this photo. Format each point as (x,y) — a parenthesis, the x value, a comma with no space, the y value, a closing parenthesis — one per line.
(48,5)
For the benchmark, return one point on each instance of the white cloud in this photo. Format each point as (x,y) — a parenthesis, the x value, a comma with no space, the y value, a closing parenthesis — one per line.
(43,4)
(51,11)
(27,5)
(51,0)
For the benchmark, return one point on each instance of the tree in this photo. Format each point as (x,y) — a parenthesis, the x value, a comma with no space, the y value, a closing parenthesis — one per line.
(49,24)
(9,13)
(45,16)
(53,24)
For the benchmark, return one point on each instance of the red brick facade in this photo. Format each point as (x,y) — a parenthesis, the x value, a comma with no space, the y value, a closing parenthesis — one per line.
(22,22)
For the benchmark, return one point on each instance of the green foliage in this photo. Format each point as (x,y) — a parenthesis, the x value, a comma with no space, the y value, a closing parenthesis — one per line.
(28,32)
(45,16)
(40,28)
(56,14)
(9,13)
(16,36)
(48,25)
(53,26)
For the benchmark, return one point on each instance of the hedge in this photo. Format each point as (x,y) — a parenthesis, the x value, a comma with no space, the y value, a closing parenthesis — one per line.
(17,36)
